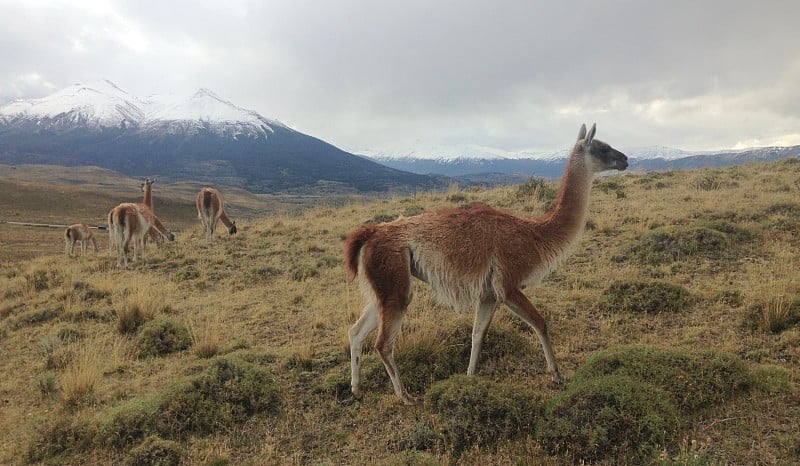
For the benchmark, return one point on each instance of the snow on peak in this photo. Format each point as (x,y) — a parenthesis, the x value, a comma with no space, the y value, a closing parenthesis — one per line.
(98,103)
(446,154)
(203,105)
(102,103)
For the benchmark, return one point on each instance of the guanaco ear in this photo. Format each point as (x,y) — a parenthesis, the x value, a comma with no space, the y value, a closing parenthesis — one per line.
(582,132)
(590,136)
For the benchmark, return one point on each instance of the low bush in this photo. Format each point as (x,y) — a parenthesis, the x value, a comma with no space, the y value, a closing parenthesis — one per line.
(470,410)
(612,417)
(155,451)
(410,458)
(186,273)
(161,337)
(59,436)
(538,189)
(667,245)
(37,316)
(693,379)
(130,422)
(649,297)
(303,272)
(263,273)
(228,391)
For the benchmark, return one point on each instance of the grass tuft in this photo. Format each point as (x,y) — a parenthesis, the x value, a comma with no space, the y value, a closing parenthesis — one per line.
(207,339)
(79,379)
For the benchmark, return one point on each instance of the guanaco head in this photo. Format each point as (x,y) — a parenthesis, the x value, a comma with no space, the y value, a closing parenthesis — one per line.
(601,156)
(232,230)
(170,236)
(147,182)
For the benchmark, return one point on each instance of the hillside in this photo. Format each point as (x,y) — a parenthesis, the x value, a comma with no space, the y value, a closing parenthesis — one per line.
(676,323)
(200,137)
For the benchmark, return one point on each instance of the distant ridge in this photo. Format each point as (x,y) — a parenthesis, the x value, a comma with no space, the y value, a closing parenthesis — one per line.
(551,165)
(199,137)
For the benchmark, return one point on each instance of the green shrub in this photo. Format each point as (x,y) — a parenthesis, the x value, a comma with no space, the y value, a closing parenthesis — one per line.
(88,293)
(614,186)
(420,437)
(383,218)
(471,411)
(645,297)
(693,380)
(611,417)
(412,210)
(40,280)
(130,422)
(258,274)
(772,379)
(537,188)
(228,391)
(303,272)
(189,272)
(60,435)
(458,198)
(667,245)
(46,383)
(409,458)
(155,451)
(36,317)
(161,337)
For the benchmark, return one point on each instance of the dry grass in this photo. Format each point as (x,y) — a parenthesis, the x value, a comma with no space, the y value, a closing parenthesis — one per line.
(276,296)
(208,336)
(80,378)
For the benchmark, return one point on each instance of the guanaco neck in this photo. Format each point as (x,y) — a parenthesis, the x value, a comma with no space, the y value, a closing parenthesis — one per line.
(225,219)
(148,195)
(565,220)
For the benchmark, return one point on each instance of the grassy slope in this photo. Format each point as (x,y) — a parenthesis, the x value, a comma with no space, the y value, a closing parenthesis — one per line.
(277,293)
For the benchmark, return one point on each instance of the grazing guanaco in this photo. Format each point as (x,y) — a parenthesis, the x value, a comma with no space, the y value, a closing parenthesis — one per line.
(78,233)
(131,222)
(210,209)
(473,258)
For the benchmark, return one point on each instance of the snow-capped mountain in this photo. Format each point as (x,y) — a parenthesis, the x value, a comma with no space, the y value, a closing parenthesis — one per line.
(476,160)
(102,104)
(199,137)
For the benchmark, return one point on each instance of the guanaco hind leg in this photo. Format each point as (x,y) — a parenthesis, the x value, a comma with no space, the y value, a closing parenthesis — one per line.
(522,306)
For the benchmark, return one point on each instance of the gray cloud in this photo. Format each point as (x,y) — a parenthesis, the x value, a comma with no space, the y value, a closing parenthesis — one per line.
(508,74)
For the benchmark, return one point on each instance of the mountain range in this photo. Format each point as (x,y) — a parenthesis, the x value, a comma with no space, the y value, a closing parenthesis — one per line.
(201,137)
(551,164)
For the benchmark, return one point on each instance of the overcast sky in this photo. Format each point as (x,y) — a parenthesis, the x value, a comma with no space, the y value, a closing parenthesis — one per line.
(389,75)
